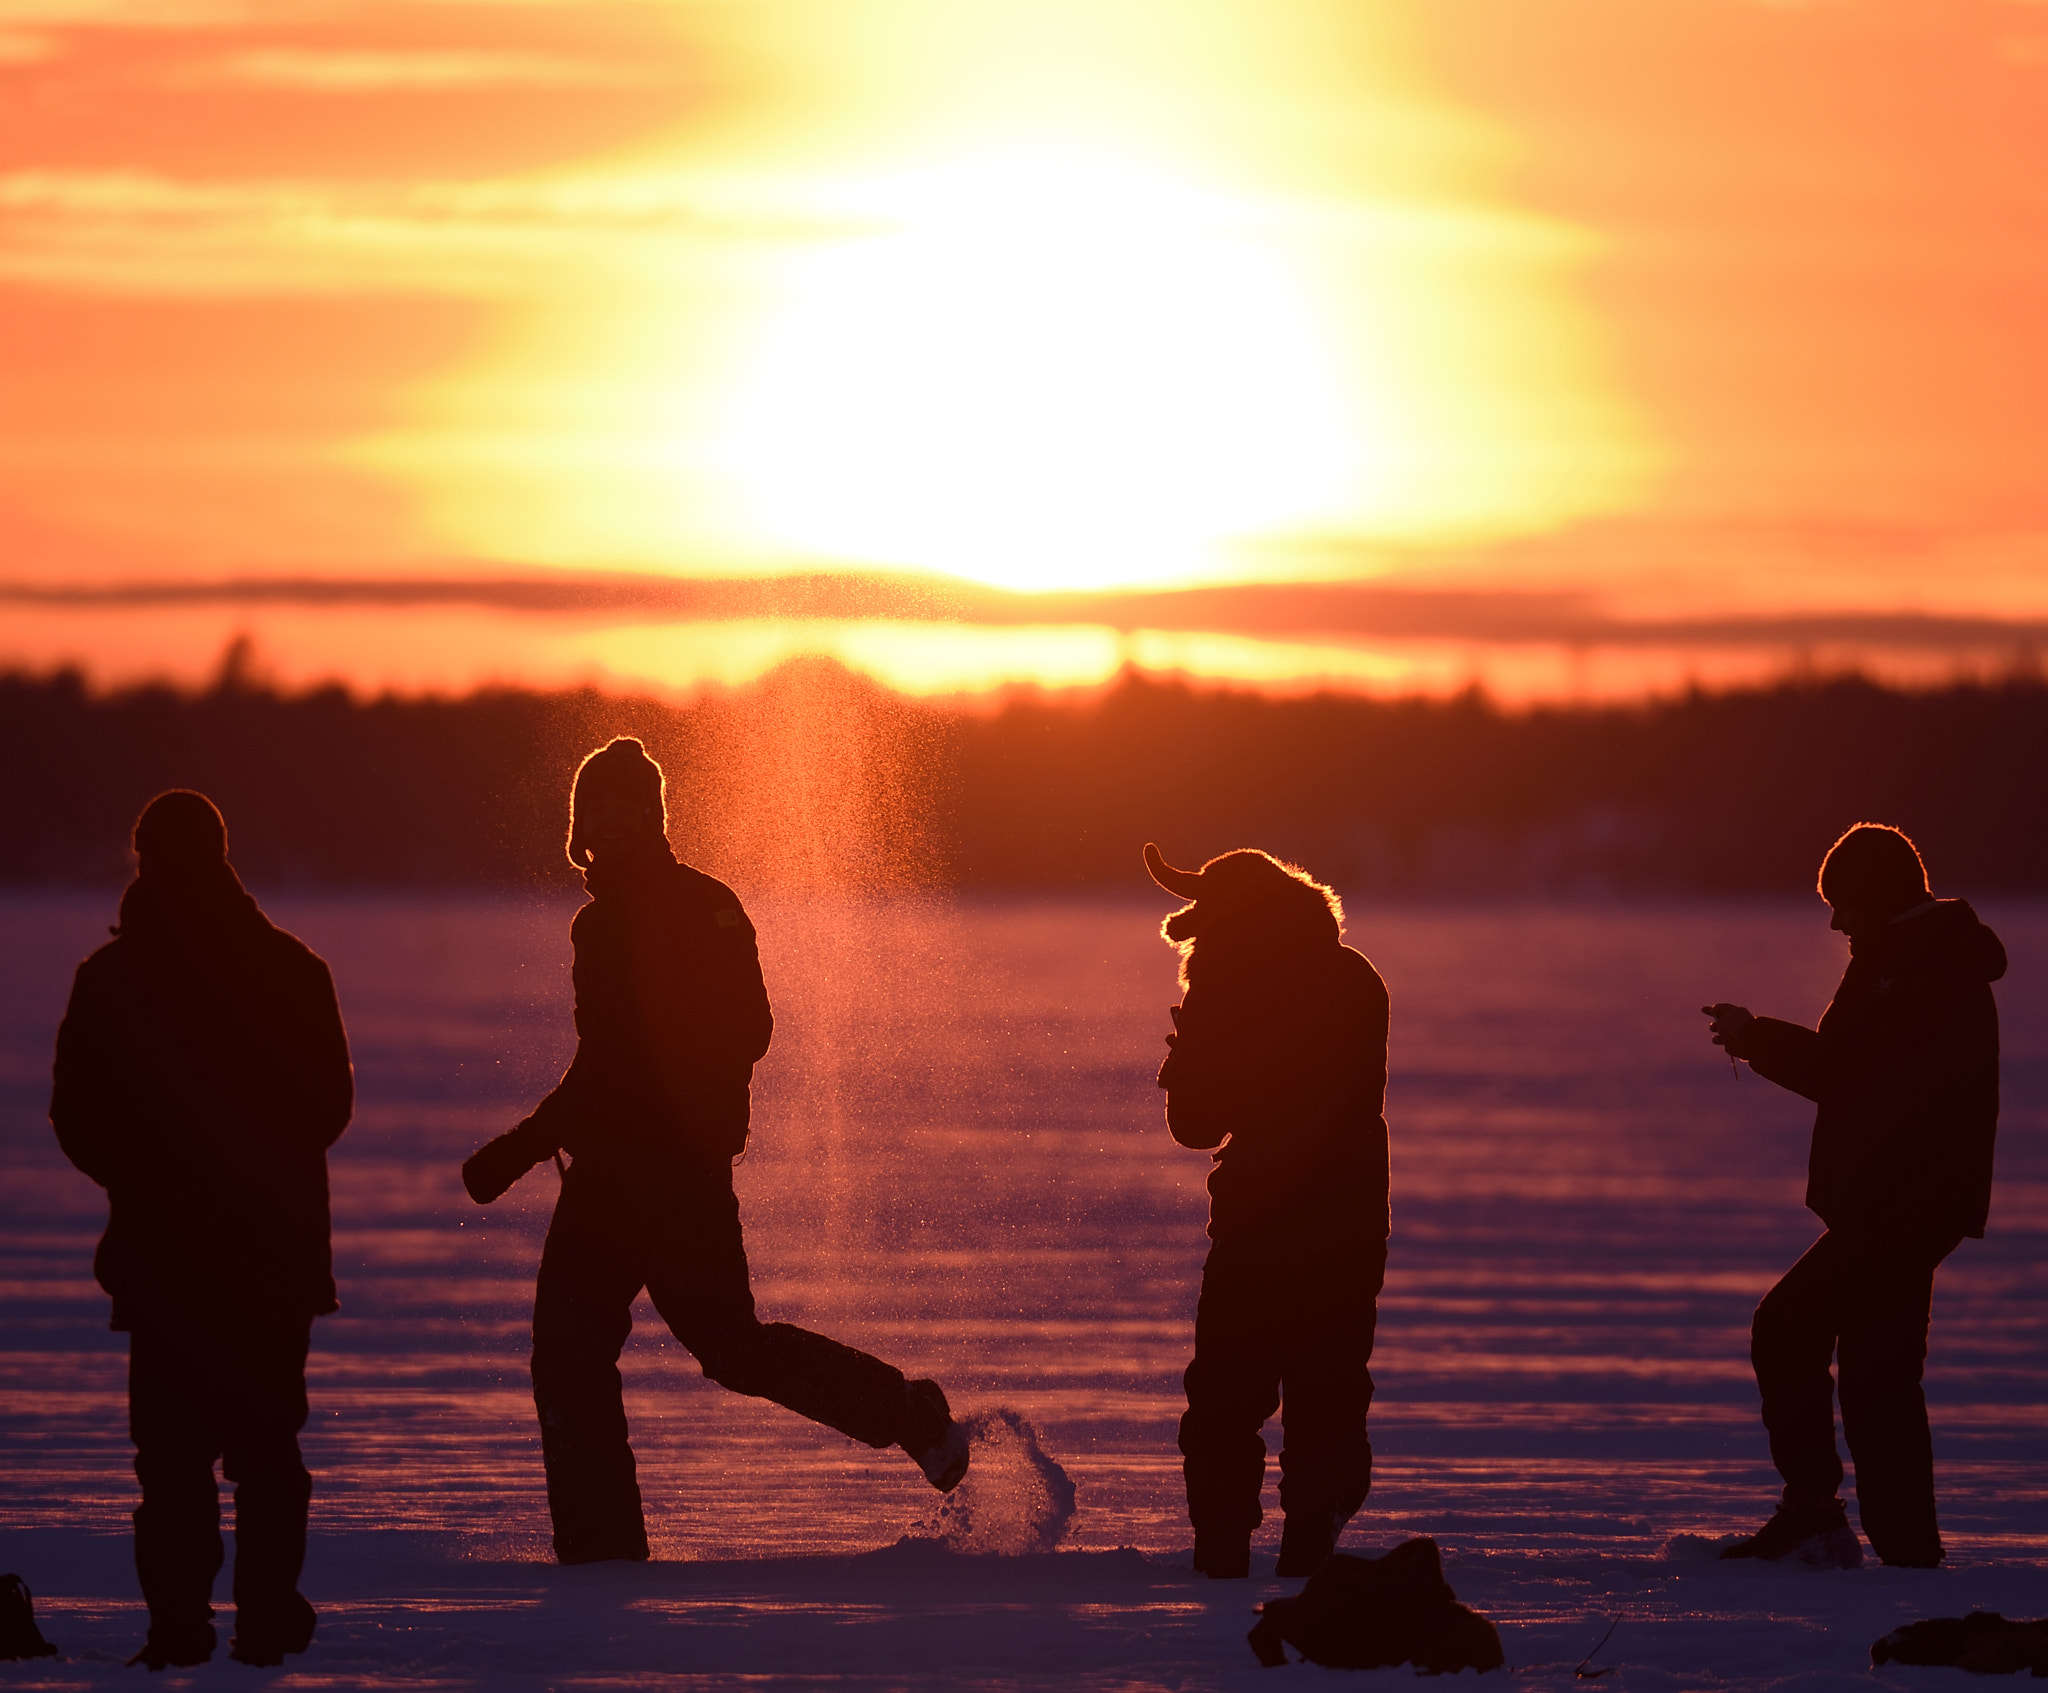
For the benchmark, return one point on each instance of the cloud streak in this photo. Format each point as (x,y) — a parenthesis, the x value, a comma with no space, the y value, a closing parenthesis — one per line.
(1332,611)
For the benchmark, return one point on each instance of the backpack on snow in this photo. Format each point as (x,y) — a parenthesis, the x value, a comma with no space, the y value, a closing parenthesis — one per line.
(1983,1642)
(1371,1613)
(19,1636)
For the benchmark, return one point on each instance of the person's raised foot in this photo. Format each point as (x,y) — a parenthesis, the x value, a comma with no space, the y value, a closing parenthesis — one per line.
(1223,1557)
(1308,1540)
(1813,1532)
(176,1648)
(935,1442)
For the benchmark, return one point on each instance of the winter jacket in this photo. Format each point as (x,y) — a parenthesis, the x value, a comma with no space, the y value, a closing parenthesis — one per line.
(202,1073)
(1281,1064)
(671,1017)
(1904,1068)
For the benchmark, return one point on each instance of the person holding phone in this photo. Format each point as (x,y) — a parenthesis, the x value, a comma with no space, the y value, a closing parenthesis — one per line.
(1904,1071)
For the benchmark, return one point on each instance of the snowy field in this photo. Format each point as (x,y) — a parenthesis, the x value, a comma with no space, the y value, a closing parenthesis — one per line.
(959,1163)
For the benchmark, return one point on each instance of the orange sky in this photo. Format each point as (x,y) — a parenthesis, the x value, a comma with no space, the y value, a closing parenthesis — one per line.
(1603,345)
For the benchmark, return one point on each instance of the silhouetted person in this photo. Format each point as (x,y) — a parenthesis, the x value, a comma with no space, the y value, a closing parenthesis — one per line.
(1904,1068)
(1279,1061)
(202,1073)
(671,1016)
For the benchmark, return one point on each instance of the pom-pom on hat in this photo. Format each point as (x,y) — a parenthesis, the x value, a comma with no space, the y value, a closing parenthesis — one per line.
(180,830)
(622,768)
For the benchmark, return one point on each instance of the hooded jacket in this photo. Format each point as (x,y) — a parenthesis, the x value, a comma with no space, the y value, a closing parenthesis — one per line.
(1280,1063)
(671,1017)
(1904,1068)
(202,1073)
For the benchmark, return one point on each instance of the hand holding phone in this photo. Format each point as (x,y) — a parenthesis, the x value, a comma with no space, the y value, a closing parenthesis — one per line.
(1728,1022)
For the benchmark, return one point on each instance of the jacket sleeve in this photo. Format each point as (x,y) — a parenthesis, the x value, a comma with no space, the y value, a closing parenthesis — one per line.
(1890,1046)
(1201,1106)
(1789,1054)
(331,1077)
(741,1024)
(87,1105)
(569,1102)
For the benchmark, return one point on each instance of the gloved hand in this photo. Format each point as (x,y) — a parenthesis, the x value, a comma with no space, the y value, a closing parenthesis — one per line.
(497,1164)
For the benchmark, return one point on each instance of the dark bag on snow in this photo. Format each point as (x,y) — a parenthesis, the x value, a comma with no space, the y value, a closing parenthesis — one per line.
(1983,1642)
(1370,1613)
(19,1636)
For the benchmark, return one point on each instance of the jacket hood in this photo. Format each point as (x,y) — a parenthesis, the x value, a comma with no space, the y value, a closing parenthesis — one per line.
(1946,936)
(204,901)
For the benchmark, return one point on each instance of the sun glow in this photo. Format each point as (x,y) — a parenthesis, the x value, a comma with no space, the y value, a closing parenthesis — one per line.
(1043,294)
(1044,372)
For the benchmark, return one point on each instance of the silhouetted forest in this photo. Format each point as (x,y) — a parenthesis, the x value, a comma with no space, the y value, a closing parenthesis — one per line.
(816,774)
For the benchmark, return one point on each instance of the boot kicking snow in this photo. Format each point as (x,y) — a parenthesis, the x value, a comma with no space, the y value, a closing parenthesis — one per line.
(933,1438)
(1813,1532)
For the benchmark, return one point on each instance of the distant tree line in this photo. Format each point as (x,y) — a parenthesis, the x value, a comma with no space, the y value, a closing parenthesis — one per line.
(816,776)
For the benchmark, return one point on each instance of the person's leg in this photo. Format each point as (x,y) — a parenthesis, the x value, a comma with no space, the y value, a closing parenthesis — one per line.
(172,1420)
(1326,1464)
(1792,1344)
(263,1409)
(1884,1410)
(698,1280)
(1233,1386)
(582,1314)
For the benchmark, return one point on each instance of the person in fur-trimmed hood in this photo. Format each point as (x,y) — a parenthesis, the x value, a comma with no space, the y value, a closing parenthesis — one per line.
(1904,1070)
(671,1017)
(1278,1062)
(202,1073)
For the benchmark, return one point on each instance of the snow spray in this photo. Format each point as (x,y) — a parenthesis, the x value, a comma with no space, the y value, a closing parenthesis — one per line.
(813,793)
(1016,1498)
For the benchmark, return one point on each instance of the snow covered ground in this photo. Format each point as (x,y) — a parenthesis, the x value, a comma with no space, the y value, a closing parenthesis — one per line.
(959,1164)
(401,1611)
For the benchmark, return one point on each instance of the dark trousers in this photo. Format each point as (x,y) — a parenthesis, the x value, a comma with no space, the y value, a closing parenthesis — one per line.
(1283,1325)
(1863,1306)
(233,1390)
(614,1233)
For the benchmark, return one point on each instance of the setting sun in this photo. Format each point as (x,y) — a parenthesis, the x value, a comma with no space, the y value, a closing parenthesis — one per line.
(1044,372)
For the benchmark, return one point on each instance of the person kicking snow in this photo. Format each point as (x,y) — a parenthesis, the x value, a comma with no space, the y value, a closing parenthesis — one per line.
(671,1017)
(1904,1069)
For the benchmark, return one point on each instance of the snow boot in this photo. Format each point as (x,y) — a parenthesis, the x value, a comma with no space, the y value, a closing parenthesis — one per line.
(183,1648)
(1813,1532)
(1308,1539)
(1223,1556)
(933,1439)
(264,1639)
(19,1636)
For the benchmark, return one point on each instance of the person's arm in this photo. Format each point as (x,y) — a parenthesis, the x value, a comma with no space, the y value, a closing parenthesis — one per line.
(1199,1113)
(1790,1054)
(86,1097)
(331,1093)
(739,1024)
(1786,1053)
(490,1170)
